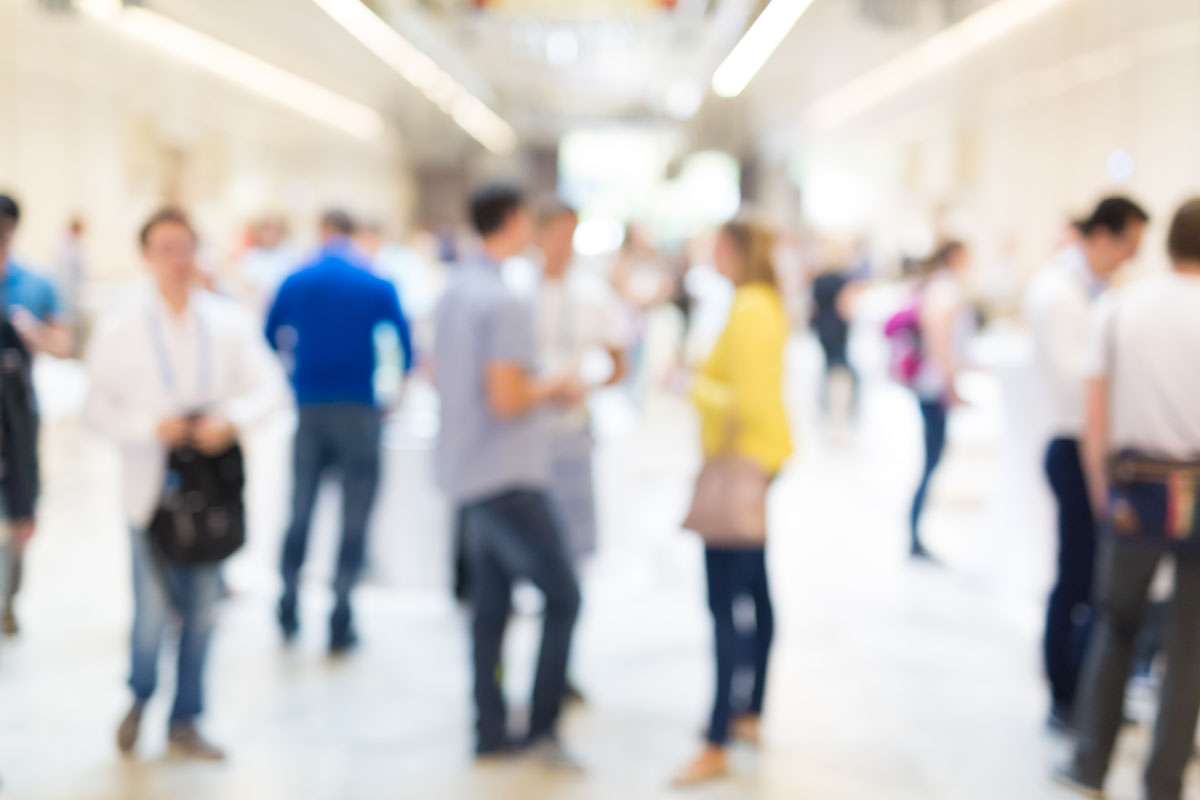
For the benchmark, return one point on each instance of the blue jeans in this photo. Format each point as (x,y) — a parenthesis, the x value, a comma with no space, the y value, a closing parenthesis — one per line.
(1069,614)
(344,437)
(734,574)
(166,593)
(509,537)
(933,413)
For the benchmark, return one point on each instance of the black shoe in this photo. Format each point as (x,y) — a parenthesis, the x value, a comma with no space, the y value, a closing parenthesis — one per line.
(289,621)
(919,553)
(1061,721)
(574,697)
(342,642)
(498,751)
(1069,779)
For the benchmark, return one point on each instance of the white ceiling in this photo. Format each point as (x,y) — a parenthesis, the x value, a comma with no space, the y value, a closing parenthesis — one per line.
(548,66)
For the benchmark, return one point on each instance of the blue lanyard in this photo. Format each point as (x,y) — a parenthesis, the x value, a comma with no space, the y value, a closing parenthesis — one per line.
(203,354)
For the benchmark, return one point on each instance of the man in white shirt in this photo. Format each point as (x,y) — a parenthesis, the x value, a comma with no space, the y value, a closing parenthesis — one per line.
(175,366)
(1058,305)
(576,335)
(1143,370)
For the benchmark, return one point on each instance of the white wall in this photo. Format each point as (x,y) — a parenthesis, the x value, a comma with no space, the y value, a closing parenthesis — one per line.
(95,123)
(1003,146)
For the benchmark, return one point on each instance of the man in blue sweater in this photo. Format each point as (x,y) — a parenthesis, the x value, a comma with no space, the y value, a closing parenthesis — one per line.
(323,323)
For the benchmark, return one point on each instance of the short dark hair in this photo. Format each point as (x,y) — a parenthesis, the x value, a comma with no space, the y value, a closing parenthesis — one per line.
(1183,241)
(492,205)
(1113,214)
(10,213)
(555,208)
(164,216)
(339,221)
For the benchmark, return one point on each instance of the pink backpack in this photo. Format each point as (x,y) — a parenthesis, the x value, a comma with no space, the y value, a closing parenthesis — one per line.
(903,331)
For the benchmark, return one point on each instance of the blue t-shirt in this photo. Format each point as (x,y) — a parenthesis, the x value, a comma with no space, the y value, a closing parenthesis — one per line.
(323,322)
(480,323)
(31,292)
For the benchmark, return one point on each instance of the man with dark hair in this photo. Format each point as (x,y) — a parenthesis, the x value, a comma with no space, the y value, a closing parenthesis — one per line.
(337,224)
(492,462)
(32,306)
(1058,306)
(176,367)
(1142,384)
(323,322)
(495,206)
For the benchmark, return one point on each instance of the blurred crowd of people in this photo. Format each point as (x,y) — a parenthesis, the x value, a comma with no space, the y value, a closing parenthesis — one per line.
(516,333)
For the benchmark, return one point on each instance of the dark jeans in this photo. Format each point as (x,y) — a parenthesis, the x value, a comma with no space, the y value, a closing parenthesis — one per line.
(509,537)
(1124,574)
(1069,615)
(838,360)
(934,414)
(735,574)
(162,593)
(345,438)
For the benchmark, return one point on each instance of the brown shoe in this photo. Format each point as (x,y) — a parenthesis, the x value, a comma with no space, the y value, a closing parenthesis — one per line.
(11,627)
(131,726)
(185,741)
(710,765)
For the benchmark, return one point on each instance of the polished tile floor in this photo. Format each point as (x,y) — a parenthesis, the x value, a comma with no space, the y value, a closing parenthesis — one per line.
(889,681)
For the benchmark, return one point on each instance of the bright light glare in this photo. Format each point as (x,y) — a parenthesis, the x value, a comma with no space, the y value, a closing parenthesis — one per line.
(471,113)
(596,237)
(683,100)
(760,41)
(931,56)
(241,68)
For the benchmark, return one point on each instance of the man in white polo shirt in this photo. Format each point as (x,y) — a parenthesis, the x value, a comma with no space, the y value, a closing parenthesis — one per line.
(1059,302)
(1143,397)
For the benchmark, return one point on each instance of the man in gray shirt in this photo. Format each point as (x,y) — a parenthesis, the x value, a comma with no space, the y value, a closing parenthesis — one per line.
(492,462)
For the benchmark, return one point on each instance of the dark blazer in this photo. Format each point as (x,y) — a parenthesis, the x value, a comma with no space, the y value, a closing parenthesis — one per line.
(19,478)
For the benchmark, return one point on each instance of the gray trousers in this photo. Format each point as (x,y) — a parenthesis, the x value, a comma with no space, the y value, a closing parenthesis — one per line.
(1125,571)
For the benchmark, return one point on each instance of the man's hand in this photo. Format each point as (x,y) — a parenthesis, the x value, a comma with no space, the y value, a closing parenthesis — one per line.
(23,529)
(213,435)
(570,392)
(51,338)
(173,431)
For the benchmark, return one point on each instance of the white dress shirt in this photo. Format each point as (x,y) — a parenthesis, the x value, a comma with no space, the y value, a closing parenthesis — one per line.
(1057,308)
(147,364)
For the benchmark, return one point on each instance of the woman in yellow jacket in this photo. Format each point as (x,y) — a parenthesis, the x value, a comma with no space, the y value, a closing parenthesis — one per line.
(739,393)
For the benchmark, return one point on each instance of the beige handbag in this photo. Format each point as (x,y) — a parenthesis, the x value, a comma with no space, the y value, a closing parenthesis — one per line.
(729,507)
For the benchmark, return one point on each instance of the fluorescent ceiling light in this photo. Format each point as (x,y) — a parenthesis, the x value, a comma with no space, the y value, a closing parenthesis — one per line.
(239,67)
(471,113)
(757,45)
(931,56)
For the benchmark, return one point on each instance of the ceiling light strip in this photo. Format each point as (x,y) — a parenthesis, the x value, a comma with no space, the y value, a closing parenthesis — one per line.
(241,68)
(471,113)
(926,59)
(756,46)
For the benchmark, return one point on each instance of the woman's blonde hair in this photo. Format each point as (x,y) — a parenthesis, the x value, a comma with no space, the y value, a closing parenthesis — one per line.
(756,245)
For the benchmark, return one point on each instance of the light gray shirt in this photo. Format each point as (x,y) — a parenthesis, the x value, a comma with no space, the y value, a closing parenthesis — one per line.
(480,322)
